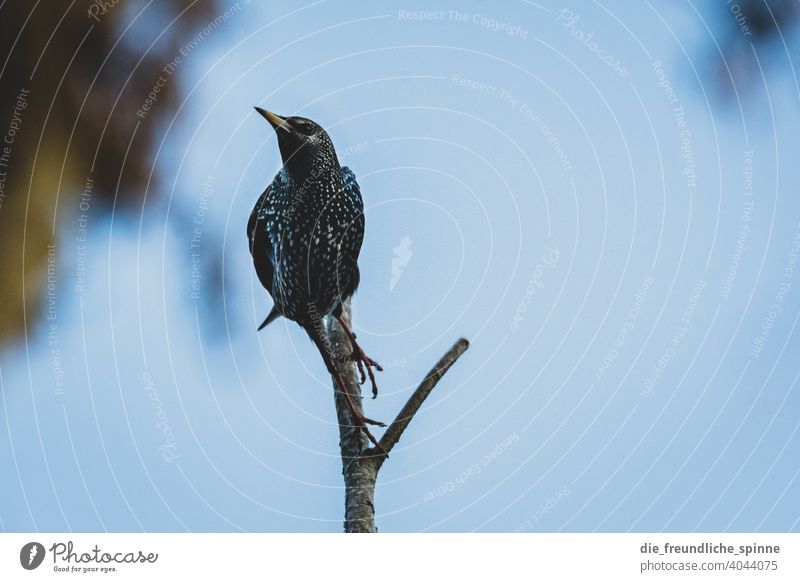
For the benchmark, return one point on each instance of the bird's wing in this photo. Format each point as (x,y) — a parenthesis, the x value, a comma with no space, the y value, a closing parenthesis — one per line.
(260,245)
(351,187)
(251,223)
(353,191)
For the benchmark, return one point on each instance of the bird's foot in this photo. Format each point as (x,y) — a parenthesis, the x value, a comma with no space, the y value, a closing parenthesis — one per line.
(362,422)
(365,365)
(362,360)
(359,418)
(373,422)
(373,440)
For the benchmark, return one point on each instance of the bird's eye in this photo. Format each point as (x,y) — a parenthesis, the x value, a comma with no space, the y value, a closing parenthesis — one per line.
(300,125)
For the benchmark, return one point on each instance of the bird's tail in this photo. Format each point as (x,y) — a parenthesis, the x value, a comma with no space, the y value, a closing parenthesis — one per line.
(273,315)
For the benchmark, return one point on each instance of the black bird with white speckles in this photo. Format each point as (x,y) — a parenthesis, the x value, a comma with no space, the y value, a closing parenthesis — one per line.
(305,235)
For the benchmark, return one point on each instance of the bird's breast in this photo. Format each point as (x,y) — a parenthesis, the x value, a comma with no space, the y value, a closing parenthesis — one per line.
(315,234)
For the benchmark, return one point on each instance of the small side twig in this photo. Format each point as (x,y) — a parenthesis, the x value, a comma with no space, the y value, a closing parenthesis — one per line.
(401,422)
(360,463)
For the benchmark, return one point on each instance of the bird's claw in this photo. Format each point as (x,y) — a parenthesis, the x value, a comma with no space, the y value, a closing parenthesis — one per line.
(362,360)
(358,416)
(374,422)
(365,365)
(361,371)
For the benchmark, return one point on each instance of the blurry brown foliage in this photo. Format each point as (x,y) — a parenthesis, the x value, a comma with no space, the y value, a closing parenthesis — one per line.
(82,77)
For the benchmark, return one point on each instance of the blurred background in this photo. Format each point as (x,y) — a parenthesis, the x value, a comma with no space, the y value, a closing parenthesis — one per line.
(601,196)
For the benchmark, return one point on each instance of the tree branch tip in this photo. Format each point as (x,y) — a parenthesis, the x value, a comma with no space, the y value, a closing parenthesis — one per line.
(400,423)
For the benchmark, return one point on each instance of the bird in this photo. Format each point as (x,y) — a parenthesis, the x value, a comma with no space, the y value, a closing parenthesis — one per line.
(305,234)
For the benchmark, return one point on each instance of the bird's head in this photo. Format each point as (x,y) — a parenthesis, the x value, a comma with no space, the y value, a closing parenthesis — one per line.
(304,145)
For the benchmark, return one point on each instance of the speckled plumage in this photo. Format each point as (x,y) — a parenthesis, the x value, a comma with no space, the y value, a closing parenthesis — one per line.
(306,229)
(305,234)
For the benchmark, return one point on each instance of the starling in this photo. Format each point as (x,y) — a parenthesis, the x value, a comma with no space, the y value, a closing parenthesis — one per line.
(305,234)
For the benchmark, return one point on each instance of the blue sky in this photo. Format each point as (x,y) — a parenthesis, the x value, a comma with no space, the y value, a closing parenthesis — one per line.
(615,240)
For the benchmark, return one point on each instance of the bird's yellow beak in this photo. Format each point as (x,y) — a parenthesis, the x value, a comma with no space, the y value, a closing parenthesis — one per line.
(275,121)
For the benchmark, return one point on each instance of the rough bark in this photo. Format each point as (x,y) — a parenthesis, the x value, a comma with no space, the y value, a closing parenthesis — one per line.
(359,472)
(361,463)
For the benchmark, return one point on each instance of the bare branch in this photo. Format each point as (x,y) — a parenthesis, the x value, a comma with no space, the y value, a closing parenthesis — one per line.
(398,426)
(360,465)
(351,440)
(359,476)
